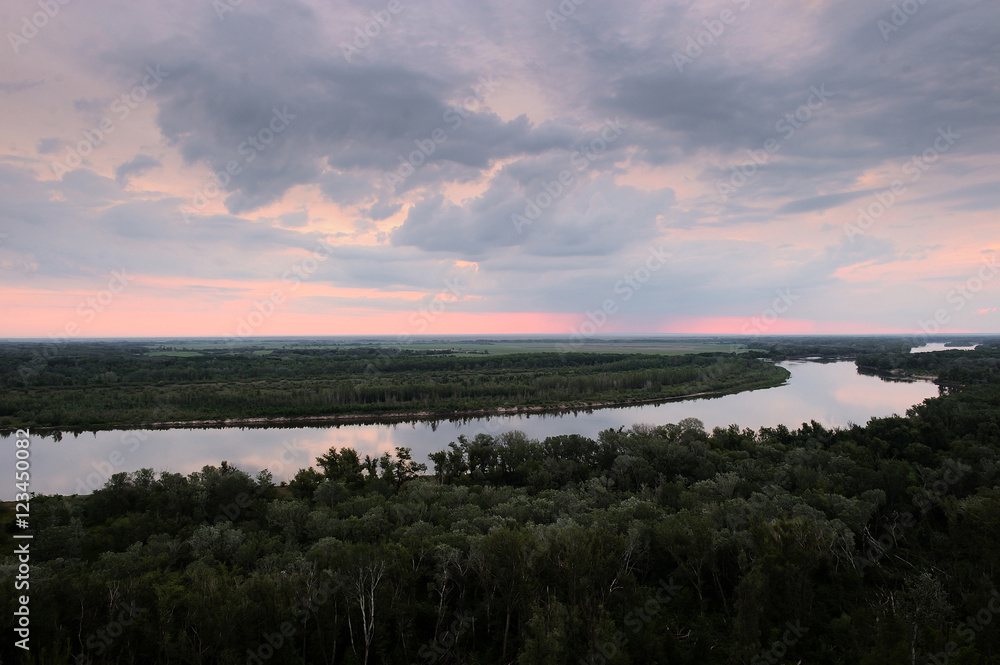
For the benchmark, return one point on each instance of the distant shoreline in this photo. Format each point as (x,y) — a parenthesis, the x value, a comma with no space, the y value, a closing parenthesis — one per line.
(388,418)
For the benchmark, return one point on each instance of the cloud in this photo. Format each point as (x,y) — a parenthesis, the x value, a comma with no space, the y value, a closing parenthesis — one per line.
(817,203)
(444,139)
(379,211)
(138,165)
(48,146)
(13,87)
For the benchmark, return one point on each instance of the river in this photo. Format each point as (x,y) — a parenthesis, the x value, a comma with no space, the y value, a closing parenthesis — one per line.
(833,394)
(940,346)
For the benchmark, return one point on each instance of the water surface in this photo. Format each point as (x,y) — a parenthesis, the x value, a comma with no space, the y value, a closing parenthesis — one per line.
(940,346)
(833,394)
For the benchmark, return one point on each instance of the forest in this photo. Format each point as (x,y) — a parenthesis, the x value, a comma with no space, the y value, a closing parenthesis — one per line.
(949,368)
(89,385)
(659,543)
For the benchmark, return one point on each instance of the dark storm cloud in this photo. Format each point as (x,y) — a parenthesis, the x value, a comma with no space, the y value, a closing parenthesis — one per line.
(354,123)
(887,100)
(221,95)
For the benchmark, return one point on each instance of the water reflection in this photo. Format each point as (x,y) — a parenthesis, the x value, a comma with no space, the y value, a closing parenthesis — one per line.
(940,346)
(833,394)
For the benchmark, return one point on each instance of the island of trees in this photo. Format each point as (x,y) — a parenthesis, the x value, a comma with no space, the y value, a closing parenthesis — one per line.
(104,385)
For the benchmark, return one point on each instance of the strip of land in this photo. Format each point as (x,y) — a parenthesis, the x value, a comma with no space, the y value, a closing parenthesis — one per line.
(408,416)
(105,386)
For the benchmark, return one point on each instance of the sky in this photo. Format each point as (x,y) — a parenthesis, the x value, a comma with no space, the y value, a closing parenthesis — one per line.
(240,168)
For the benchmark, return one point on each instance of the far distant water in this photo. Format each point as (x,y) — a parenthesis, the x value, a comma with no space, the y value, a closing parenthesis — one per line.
(833,394)
(940,346)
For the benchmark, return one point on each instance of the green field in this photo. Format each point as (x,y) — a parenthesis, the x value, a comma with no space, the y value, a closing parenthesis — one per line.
(673,345)
(661,346)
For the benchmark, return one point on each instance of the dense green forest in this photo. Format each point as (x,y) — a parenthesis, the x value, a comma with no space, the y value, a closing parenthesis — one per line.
(873,544)
(831,347)
(964,368)
(784,348)
(93,385)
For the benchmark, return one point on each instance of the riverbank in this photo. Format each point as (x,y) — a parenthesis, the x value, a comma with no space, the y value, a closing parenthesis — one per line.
(398,417)
(899,375)
(108,390)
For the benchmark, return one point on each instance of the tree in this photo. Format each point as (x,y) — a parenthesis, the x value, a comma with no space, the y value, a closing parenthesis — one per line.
(305,483)
(404,469)
(449,465)
(503,559)
(361,583)
(344,466)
